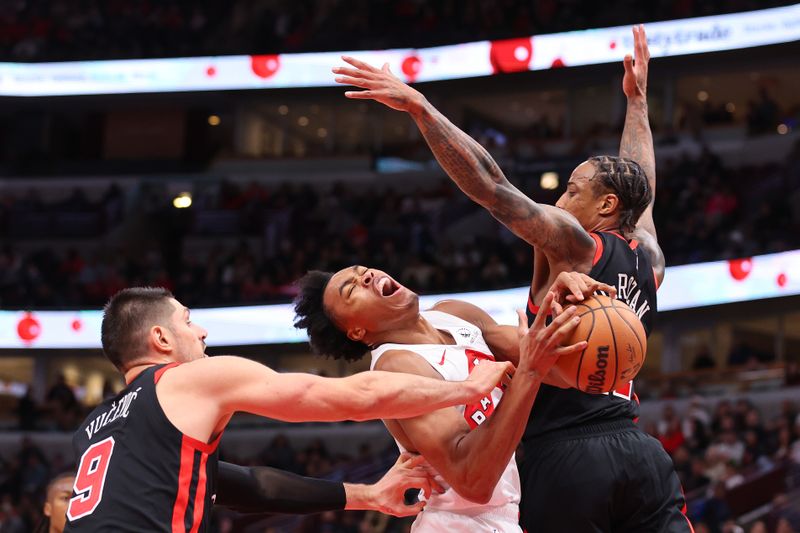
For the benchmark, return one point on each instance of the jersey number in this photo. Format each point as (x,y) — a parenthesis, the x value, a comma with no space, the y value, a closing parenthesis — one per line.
(91,477)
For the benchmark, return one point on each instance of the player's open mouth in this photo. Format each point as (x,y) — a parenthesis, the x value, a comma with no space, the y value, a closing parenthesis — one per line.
(387,286)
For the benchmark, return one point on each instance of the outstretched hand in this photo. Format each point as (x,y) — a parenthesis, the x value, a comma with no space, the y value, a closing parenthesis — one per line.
(574,287)
(540,346)
(378,84)
(409,472)
(634,83)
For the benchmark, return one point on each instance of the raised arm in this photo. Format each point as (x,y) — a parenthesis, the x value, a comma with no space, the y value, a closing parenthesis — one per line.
(471,462)
(637,141)
(554,231)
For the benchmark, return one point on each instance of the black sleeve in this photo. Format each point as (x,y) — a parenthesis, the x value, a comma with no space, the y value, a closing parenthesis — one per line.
(261,489)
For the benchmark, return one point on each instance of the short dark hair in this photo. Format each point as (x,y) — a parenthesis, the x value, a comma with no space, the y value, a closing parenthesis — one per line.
(625,178)
(324,336)
(126,316)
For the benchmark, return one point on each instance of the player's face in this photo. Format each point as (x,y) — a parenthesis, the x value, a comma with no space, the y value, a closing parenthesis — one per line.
(580,199)
(57,501)
(189,337)
(362,300)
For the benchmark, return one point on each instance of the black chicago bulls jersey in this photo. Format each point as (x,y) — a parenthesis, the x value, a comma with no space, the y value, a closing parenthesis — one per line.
(136,471)
(625,266)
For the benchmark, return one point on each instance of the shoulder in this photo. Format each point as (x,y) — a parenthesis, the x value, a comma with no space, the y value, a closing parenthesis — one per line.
(465,311)
(211,373)
(405,362)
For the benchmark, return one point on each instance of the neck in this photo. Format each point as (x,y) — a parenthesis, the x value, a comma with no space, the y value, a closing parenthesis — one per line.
(606,225)
(132,372)
(415,331)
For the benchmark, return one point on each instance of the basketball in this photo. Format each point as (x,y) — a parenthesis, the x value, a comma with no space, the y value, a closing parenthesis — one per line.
(616,351)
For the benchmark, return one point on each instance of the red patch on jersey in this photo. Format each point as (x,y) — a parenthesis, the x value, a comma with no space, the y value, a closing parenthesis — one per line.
(477,413)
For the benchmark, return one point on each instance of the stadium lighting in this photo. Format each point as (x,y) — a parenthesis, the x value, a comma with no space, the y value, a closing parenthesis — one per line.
(702,96)
(783,129)
(213,120)
(549,181)
(182,201)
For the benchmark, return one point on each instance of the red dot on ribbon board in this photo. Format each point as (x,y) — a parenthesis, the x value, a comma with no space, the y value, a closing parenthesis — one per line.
(76,325)
(557,63)
(265,66)
(782,280)
(740,268)
(28,328)
(511,55)
(411,67)
(211,71)
(613,44)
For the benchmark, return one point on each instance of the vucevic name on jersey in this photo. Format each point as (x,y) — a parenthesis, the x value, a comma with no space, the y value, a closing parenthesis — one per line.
(623,265)
(137,472)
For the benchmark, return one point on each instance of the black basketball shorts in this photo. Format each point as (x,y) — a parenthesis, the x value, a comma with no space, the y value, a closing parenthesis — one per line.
(600,478)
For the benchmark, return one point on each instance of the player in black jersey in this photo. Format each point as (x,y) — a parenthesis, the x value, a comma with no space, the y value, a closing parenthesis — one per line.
(587,468)
(148,457)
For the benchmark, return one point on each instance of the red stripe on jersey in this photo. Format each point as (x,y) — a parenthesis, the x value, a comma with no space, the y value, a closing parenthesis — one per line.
(200,495)
(202,446)
(160,371)
(184,480)
(598,251)
(633,244)
(655,277)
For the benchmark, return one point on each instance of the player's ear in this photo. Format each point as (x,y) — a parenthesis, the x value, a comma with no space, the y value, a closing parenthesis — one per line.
(161,339)
(48,509)
(609,204)
(356,334)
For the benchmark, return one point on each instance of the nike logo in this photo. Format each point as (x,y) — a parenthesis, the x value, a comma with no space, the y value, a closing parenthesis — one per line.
(442,361)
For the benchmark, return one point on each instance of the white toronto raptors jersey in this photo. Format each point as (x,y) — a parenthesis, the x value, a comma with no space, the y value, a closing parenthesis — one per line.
(454,363)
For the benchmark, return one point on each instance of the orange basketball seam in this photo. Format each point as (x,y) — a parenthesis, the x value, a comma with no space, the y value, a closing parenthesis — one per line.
(616,351)
(580,361)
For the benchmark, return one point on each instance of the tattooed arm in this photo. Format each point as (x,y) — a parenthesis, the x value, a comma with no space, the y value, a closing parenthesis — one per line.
(637,142)
(554,231)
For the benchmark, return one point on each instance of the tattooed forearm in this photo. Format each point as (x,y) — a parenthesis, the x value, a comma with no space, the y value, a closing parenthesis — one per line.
(472,168)
(637,139)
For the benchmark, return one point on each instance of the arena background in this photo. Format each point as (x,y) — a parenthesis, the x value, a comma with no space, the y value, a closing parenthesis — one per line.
(226,178)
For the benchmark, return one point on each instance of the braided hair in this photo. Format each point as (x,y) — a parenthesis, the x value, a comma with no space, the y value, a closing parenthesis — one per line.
(626,179)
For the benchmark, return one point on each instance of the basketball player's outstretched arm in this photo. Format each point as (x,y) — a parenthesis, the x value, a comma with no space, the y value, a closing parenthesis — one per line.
(220,386)
(471,462)
(637,141)
(269,490)
(557,233)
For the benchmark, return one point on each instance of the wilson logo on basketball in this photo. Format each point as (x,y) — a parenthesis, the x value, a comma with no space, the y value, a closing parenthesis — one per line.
(597,379)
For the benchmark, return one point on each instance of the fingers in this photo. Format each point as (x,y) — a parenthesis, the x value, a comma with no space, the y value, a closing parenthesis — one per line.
(358,82)
(386,68)
(413,461)
(359,64)
(557,309)
(543,309)
(360,95)
(578,347)
(352,72)
(628,64)
(645,48)
(522,323)
(408,510)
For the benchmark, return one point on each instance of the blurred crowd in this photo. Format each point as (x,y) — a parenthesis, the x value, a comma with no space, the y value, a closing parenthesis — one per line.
(247,243)
(38,30)
(718,450)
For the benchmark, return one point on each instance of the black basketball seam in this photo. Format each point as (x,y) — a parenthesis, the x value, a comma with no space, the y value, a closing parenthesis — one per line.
(641,348)
(616,354)
(580,361)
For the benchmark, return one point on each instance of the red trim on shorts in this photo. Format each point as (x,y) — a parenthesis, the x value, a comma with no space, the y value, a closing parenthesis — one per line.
(184,482)
(200,495)
(160,371)
(598,251)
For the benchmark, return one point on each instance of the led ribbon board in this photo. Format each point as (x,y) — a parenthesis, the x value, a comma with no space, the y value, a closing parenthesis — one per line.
(483,58)
(698,285)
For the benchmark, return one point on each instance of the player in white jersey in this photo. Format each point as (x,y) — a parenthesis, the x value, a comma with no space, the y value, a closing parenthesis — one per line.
(360,309)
